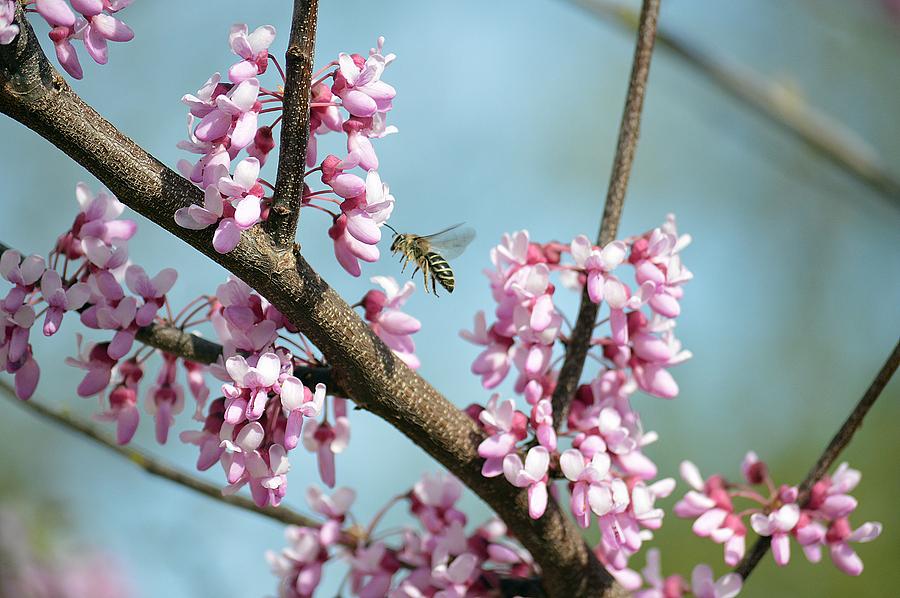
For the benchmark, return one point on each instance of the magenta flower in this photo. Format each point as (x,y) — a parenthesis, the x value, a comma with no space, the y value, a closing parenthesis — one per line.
(299,402)
(327,440)
(8,28)
(358,83)
(710,503)
(255,381)
(60,300)
(499,417)
(393,326)
(122,410)
(334,508)
(55,12)
(493,363)
(95,359)
(838,540)
(704,586)
(778,524)
(244,192)
(531,475)
(299,566)
(165,399)
(152,290)
(253,48)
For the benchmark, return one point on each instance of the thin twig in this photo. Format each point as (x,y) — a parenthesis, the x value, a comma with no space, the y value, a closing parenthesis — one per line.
(154,466)
(827,136)
(580,339)
(285,211)
(830,454)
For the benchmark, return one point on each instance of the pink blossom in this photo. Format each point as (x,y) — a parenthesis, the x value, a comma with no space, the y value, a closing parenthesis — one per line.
(593,489)
(327,440)
(347,249)
(531,475)
(499,417)
(122,410)
(333,507)
(704,586)
(710,503)
(358,83)
(838,539)
(252,48)
(778,524)
(60,300)
(152,290)
(252,384)
(165,399)
(493,363)
(393,326)
(55,12)
(244,192)
(299,402)
(299,566)
(8,28)
(96,360)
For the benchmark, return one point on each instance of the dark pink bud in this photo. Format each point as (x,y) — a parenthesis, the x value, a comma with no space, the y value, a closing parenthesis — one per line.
(673,587)
(373,302)
(122,396)
(321,93)
(818,494)
(330,168)
(473,411)
(636,321)
(520,425)
(262,61)
(757,473)
(639,250)
(838,531)
(535,254)
(359,60)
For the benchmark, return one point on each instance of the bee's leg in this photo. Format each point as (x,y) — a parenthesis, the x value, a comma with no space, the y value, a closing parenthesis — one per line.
(434,285)
(425,276)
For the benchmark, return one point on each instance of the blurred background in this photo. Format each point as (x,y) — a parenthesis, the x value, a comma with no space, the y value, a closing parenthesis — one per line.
(508,114)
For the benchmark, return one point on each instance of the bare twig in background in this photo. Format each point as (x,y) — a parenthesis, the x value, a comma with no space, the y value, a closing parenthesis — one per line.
(285,212)
(822,133)
(830,454)
(580,339)
(153,466)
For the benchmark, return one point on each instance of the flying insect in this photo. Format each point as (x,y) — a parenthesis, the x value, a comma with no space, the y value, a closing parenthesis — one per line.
(431,252)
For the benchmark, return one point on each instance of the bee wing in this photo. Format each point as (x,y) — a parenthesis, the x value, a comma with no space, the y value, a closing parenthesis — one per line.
(451,242)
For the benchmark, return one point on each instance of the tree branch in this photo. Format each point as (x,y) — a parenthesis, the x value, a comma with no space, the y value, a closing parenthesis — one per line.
(629,129)
(829,455)
(825,135)
(285,211)
(33,93)
(158,468)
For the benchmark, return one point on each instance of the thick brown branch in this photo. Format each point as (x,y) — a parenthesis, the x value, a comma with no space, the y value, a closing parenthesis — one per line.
(33,93)
(153,466)
(629,129)
(830,454)
(820,132)
(285,211)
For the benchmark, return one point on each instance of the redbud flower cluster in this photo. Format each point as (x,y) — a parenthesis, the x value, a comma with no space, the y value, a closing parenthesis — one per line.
(819,523)
(609,476)
(440,559)
(224,121)
(91,22)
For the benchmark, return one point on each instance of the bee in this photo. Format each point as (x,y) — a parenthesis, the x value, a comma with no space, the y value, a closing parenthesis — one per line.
(431,252)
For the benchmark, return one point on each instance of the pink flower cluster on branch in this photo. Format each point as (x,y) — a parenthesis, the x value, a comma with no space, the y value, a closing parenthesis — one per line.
(224,121)
(821,523)
(609,476)
(89,21)
(440,559)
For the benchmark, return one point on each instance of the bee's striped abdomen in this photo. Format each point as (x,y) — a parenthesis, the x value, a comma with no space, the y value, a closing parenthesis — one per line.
(440,270)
